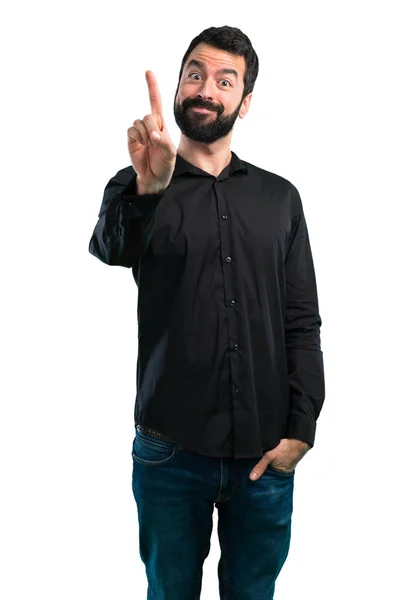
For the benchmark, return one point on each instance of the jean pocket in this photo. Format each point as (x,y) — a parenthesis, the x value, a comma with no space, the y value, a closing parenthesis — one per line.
(150,451)
(278,472)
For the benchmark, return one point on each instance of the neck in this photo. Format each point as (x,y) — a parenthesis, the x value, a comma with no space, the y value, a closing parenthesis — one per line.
(211,158)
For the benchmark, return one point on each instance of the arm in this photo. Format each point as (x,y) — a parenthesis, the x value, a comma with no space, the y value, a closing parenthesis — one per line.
(125,222)
(302,331)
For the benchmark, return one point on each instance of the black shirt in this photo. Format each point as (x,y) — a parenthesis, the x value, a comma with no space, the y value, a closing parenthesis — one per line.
(229,358)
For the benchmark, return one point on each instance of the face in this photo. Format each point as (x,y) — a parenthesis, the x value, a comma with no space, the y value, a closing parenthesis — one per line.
(212,81)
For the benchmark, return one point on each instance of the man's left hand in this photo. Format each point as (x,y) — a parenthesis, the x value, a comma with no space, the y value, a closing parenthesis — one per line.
(284,457)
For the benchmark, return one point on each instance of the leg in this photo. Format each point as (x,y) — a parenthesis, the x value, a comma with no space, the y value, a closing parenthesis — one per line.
(175,518)
(254,529)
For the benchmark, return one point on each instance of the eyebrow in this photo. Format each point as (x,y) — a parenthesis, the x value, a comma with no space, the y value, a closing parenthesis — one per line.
(200,65)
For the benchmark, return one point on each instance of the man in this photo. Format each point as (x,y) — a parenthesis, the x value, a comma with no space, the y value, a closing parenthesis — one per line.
(230,374)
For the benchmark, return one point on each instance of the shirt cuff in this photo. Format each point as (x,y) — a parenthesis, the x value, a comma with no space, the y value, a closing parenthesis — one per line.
(301,427)
(138,205)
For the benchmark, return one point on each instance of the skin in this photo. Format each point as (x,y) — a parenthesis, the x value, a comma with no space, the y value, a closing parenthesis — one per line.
(284,457)
(222,91)
(153,156)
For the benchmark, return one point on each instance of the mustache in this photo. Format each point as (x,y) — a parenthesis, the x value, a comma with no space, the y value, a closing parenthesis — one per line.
(197,103)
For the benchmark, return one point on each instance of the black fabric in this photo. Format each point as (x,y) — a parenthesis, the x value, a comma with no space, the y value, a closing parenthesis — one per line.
(229,356)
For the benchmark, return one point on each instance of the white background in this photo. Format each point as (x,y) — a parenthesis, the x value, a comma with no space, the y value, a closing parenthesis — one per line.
(324,115)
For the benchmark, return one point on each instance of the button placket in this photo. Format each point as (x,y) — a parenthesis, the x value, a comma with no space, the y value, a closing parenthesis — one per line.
(229,291)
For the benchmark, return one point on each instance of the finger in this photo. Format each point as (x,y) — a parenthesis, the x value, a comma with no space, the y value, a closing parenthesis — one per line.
(134,135)
(154,93)
(140,126)
(151,126)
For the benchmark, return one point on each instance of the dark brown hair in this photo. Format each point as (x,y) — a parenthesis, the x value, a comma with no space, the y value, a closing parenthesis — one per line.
(233,40)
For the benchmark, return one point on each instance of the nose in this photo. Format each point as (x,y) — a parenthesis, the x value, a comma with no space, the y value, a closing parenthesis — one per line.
(206,91)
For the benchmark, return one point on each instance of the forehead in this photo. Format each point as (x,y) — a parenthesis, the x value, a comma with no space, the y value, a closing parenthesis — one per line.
(214,59)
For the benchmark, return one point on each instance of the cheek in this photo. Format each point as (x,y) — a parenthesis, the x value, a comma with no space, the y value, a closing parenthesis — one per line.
(180,96)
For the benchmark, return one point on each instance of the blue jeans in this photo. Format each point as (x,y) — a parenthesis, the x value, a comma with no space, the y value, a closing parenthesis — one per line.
(175,491)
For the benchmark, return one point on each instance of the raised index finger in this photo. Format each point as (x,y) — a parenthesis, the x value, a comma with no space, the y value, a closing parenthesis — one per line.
(154,93)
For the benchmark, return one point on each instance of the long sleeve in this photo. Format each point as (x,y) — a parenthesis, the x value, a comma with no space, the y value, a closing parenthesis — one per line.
(302,332)
(125,222)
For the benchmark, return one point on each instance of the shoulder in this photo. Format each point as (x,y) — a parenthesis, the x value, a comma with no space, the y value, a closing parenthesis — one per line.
(274,180)
(275,184)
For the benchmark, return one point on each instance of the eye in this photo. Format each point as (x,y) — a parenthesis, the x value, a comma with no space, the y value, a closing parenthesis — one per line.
(198,75)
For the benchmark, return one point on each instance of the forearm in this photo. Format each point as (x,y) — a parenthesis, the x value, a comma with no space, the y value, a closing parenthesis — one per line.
(302,334)
(125,223)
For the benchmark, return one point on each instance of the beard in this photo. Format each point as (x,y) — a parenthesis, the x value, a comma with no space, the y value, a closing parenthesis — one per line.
(203,127)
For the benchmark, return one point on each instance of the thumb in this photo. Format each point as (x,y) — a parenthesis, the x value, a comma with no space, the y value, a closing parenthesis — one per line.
(161,140)
(261,466)
(155,136)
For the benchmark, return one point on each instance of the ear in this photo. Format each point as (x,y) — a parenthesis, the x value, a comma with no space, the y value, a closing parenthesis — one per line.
(245,105)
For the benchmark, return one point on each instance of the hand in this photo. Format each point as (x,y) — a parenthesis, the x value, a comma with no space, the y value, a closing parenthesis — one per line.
(152,152)
(284,456)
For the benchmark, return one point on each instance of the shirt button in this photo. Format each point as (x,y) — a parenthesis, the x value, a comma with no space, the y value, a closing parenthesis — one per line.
(225,216)
(228,259)
(237,391)
(235,347)
(232,302)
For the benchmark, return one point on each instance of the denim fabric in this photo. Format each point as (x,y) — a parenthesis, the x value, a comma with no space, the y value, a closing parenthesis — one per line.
(175,492)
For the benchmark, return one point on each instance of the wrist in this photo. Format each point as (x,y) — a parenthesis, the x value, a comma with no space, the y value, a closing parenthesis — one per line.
(141,189)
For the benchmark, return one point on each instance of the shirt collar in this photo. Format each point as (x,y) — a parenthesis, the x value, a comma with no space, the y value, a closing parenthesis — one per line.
(183,166)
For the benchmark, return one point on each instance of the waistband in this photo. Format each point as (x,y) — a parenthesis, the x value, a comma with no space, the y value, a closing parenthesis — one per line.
(153,433)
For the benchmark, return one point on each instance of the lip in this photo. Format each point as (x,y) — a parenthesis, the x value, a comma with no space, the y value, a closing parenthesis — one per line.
(204,110)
